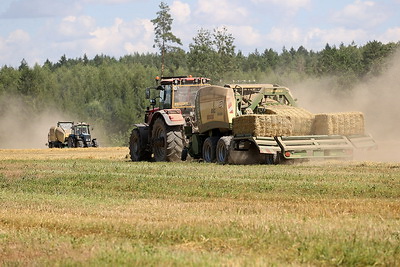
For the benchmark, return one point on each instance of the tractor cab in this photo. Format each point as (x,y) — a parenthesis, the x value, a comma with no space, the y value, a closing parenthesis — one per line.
(81,129)
(81,137)
(177,92)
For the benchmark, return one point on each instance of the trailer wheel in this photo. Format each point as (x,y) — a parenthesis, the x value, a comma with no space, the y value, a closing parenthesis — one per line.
(222,151)
(272,159)
(247,156)
(71,142)
(136,148)
(209,149)
(167,141)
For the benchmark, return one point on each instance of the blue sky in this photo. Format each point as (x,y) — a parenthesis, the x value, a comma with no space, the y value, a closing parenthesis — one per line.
(47,29)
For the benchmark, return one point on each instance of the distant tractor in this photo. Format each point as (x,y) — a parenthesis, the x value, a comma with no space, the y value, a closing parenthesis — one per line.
(68,134)
(161,136)
(80,136)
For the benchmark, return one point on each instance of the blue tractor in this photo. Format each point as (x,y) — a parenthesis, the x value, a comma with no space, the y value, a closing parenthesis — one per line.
(80,136)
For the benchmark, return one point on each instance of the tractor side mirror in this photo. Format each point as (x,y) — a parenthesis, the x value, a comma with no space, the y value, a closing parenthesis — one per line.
(147,93)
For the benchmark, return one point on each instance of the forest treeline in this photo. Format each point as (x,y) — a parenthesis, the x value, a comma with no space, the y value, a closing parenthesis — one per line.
(109,92)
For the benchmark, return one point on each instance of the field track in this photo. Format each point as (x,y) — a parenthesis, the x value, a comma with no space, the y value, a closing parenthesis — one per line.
(93,206)
(114,153)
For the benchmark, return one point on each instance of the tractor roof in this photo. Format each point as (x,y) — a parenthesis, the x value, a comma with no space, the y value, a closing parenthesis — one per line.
(184,80)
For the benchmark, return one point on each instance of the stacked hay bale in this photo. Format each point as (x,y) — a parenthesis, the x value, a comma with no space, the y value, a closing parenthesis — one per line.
(301,119)
(343,123)
(262,125)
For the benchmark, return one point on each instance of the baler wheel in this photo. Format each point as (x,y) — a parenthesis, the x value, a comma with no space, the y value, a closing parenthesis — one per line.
(209,149)
(222,151)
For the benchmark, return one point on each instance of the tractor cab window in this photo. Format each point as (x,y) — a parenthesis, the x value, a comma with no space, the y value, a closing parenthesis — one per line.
(166,96)
(184,95)
(81,130)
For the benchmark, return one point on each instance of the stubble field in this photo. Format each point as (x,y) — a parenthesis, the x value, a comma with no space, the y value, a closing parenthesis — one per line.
(95,207)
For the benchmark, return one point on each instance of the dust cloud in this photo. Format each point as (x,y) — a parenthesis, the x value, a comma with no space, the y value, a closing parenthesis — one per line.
(377,98)
(21,128)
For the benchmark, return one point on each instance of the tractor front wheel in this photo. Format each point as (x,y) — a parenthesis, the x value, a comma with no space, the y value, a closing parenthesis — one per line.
(167,141)
(95,143)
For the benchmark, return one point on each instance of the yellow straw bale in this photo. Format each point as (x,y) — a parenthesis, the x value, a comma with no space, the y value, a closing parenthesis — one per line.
(262,125)
(301,119)
(343,123)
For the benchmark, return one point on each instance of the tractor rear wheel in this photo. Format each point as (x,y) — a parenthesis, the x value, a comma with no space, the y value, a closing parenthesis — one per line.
(209,149)
(222,151)
(79,143)
(137,148)
(167,141)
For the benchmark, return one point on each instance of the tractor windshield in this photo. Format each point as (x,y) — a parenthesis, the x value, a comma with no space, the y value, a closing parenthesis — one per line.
(184,95)
(82,130)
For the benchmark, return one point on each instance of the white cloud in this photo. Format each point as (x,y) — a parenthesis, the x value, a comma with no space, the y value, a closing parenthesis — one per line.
(313,38)
(282,11)
(122,37)
(221,11)
(18,37)
(76,27)
(391,35)
(285,36)
(364,14)
(292,4)
(15,47)
(319,37)
(110,1)
(246,35)
(180,11)
(41,8)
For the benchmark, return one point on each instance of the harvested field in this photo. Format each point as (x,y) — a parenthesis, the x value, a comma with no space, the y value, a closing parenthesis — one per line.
(74,207)
(113,153)
(343,123)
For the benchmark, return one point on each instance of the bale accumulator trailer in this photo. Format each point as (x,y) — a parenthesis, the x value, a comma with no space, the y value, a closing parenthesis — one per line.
(261,123)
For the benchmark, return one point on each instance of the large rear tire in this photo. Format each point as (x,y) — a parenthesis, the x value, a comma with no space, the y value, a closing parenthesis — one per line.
(167,141)
(222,150)
(137,148)
(79,143)
(209,149)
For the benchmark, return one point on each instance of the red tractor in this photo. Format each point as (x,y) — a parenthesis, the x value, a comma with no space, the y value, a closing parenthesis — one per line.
(161,136)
